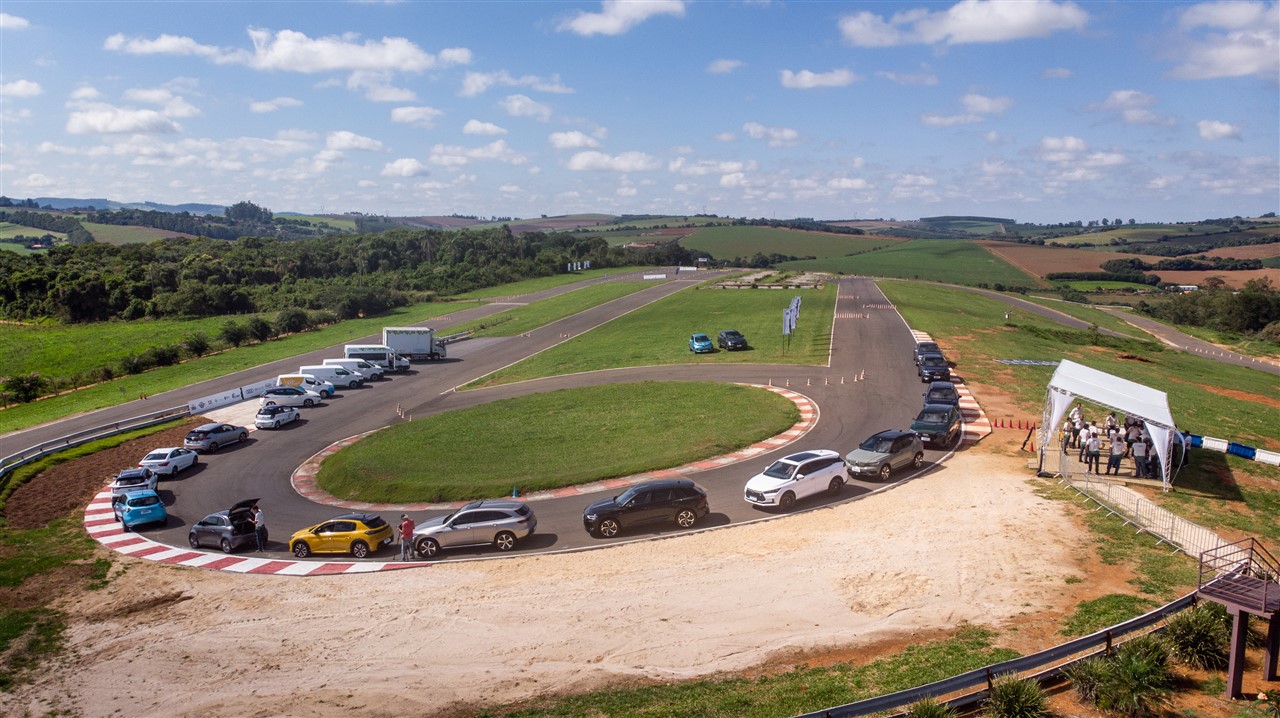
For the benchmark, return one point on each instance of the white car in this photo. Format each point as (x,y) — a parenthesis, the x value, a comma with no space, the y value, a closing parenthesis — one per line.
(275,416)
(796,476)
(169,460)
(288,396)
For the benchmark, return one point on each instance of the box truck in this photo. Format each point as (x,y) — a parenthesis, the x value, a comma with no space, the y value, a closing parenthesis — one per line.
(413,342)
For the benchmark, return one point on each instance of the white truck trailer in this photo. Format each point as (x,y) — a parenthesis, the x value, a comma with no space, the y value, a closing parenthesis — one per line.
(414,342)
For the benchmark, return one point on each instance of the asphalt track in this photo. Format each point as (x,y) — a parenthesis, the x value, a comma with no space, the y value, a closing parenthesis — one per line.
(870,384)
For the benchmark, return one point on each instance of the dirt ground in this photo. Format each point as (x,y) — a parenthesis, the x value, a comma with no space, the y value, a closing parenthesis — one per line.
(973,544)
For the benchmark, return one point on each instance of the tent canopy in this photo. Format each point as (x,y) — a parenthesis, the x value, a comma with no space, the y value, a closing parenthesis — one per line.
(1072,380)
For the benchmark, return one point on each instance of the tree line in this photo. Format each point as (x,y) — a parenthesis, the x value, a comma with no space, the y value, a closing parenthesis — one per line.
(1253,310)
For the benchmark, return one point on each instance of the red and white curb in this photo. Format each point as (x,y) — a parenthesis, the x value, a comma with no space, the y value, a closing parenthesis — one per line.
(976,424)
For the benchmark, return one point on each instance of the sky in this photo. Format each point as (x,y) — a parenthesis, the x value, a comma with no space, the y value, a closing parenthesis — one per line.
(1036,110)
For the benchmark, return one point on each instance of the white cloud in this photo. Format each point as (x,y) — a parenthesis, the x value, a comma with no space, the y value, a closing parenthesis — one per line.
(404,167)
(85,93)
(272,105)
(20,88)
(510,188)
(681,166)
(905,78)
(724,137)
(455,56)
(423,117)
(162,45)
(1056,73)
(618,16)
(12,22)
(934,120)
(573,140)
(475,83)
(173,105)
(1061,149)
(1230,39)
(840,183)
(456,155)
(625,162)
(1132,107)
(1217,130)
(723,66)
(345,140)
(999,168)
(476,127)
(734,179)
(807,80)
(36,181)
(984,105)
(627,191)
(776,136)
(1103,159)
(968,21)
(106,119)
(522,106)
(377,87)
(1164,181)
(293,51)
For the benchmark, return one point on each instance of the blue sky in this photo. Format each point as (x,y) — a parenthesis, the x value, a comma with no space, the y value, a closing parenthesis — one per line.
(1038,110)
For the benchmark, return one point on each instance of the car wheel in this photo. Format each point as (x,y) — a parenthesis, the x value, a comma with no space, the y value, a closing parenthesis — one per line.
(244,436)
(270,403)
(428,547)
(301,549)
(686,518)
(275,424)
(834,487)
(787,501)
(609,528)
(353,384)
(505,540)
(195,542)
(885,471)
(213,447)
(308,402)
(359,549)
(225,545)
(917,461)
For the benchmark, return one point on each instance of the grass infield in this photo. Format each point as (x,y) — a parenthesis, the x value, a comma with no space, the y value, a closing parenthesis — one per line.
(556,439)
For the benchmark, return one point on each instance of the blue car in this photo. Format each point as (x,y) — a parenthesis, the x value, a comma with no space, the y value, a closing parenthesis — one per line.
(139,507)
(701,344)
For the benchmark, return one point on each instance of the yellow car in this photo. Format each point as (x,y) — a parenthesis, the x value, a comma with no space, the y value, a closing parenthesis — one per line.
(357,534)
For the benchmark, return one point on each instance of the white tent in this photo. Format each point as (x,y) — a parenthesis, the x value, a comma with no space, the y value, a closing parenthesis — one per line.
(1073,380)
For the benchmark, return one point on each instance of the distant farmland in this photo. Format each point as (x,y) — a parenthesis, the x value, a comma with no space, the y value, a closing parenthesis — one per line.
(745,242)
(123,234)
(953,261)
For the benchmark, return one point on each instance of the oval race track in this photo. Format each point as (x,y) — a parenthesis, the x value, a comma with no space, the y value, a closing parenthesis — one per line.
(869,385)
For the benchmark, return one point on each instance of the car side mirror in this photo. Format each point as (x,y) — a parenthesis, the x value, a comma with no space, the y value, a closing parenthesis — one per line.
(798,477)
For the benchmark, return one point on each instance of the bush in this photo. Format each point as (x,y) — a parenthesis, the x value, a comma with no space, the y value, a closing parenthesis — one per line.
(1139,682)
(196,345)
(233,333)
(1199,638)
(1087,676)
(164,355)
(292,321)
(1014,697)
(929,708)
(26,387)
(260,329)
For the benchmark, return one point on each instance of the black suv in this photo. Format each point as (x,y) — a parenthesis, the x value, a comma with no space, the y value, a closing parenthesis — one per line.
(923,348)
(933,367)
(938,424)
(674,500)
(730,340)
(942,392)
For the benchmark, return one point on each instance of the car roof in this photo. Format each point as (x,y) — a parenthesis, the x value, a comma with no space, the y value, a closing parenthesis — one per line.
(354,517)
(163,448)
(666,484)
(493,504)
(699,334)
(941,385)
(806,455)
(926,355)
(892,433)
(207,427)
(141,492)
(133,471)
(937,407)
(926,343)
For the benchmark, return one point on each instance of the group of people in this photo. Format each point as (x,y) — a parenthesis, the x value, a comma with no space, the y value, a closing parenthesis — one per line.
(1118,440)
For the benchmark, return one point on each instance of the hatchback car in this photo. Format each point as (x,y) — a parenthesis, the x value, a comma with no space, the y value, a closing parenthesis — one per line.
(135,508)
(923,348)
(228,530)
(288,396)
(211,437)
(356,534)
(498,523)
(942,392)
(169,461)
(673,500)
(884,453)
(933,367)
(731,340)
(275,416)
(938,424)
(795,477)
(133,479)
(701,344)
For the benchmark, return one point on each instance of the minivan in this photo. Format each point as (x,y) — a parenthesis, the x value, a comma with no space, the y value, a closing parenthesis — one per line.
(357,366)
(335,375)
(306,381)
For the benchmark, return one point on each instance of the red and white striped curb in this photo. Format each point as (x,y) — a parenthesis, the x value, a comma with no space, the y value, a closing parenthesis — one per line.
(976,424)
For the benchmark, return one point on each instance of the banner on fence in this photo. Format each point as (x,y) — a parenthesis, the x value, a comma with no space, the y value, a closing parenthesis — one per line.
(213,401)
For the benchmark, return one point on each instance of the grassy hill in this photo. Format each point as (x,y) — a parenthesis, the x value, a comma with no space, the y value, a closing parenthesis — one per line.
(939,260)
(729,242)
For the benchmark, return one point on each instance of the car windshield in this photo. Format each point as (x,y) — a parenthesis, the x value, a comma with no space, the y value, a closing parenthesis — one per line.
(130,480)
(197,435)
(622,498)
(374,522)
(156,456)
(144,501)
(941,395)
(926,347)
(877,445)
(731,335)
(933,417)
(933,361)
(780,470)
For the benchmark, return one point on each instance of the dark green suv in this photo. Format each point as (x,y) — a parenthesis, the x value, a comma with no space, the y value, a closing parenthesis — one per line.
(937,424)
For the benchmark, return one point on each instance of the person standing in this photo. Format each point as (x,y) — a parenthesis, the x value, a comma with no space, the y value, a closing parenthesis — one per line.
(1082,439)
(1140,459)
(1117,452)
(259,527)
(406,537)
(1092,447)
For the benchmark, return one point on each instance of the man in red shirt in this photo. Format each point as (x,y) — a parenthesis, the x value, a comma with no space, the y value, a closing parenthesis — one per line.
(406,537)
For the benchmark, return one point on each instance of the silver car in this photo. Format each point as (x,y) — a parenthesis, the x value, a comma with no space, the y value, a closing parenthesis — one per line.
(880,455)
(132,480)
(210,437)
(498,522)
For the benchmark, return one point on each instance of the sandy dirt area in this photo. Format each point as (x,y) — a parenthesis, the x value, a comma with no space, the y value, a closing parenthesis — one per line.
(970,544)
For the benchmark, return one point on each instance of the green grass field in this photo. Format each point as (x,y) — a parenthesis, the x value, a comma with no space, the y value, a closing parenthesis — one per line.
(555,439)
(538,284)
(658,334)
(940,260)
(9,229)
(1093,285)
(520,319)
(730,242)
(348,225)
(18,249)
(123,234)
(1093,315)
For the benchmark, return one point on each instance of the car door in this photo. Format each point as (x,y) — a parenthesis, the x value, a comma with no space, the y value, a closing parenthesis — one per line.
(902,454)
(659,506)
(818,474)
(953,422)
(459,530)
(206,530)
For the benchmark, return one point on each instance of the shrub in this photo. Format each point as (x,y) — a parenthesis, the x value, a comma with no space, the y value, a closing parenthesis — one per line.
(292,321)
(260,329)
(1014,697)
(1086,677)
(233,333)
(1139,682)
(164,355)
(1199,638)
(929,708)
(26,387)
(196,345)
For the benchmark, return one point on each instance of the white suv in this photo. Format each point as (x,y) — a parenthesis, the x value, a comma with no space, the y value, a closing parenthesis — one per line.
(795,477)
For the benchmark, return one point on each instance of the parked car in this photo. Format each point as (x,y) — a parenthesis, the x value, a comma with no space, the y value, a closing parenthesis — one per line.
(228,530)
(169,460)
(499,523)
(275,416)
(133,479)
(138,507)
(288,396)
(933,367)
(701,344)
(938,424)
(942,392)
(211,437)
(796,476)
(731,340)
(357,534)
(884,453)
(923,348)
(670,500)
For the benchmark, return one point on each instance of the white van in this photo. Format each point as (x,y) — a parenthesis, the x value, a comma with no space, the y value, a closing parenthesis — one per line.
(307,381)
(379,354)
(335,375)
(359,366)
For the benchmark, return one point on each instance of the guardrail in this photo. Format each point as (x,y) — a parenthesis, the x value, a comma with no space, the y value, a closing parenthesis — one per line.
(455,337)
(39,451)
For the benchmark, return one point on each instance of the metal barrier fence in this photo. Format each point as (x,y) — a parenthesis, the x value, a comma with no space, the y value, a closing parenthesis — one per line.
(39,451)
